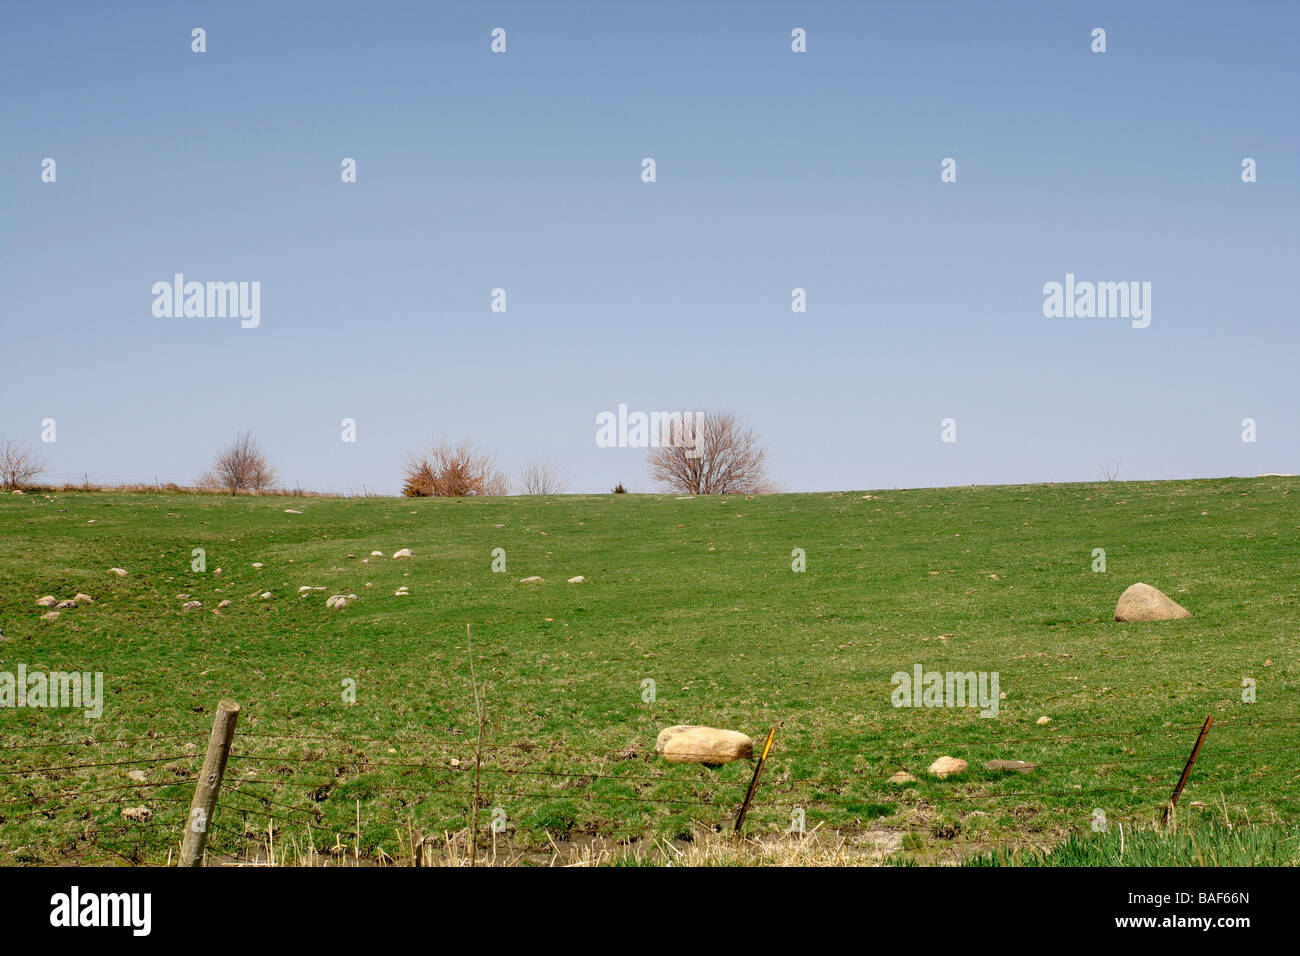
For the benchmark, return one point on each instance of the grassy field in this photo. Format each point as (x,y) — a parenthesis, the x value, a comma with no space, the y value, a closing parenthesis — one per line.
(697,595)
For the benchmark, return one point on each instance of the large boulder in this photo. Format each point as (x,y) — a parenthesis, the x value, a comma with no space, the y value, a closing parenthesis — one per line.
(1142,602)
(687,743)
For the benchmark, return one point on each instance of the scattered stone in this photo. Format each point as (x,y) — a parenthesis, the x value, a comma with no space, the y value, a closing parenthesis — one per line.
(137,814)
(257,564)
(533,580)
(225,604)
(139,776)
(83,598)
(120,572)
(376,554)
(191,605)
(577,580)
(370,584)
(182,597)
(265,595)
(48,601)
(1141,602)
(404,553)
(1044,721)
(292,511)
(455,761)
(688,743)
(50,616)
(336,602)
(64,605)
(946,766)
(902,776)
(1019,766)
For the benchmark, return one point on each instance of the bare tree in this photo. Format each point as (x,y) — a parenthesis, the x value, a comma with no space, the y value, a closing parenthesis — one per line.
(711,453)
(17,465)
(1109,470)
(240,467)
(445,470)
(543,476)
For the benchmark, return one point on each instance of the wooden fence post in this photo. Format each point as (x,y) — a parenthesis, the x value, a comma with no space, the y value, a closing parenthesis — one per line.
(204,804)
(1187,770)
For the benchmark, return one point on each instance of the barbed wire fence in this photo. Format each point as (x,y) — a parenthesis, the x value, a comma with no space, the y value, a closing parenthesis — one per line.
(411,800)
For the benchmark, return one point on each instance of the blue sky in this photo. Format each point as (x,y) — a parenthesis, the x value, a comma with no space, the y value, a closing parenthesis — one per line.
(775,170)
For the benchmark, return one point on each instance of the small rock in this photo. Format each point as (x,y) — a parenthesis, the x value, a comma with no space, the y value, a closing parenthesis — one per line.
(533,580)
(225,604)
(64,605)
(137,814)
(182,597)
(120,572)
(139,776)
(83,598)
(257,564)
(1043,721)
(265,595)
(455,761)
(1019,766)
(946,766)
(902,776)
(191,605)
(577,580)
(404,553)
(376,554)
(336,602)
(50,616)
(48,601)
(292,511)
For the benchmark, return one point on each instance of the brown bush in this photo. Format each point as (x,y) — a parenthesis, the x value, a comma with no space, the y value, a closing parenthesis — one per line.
(444,470)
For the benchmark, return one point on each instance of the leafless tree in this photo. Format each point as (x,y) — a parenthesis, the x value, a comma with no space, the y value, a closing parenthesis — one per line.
(17,465)
(712,455)
(445,470)
(543,476)
(240,467)
(1110,471)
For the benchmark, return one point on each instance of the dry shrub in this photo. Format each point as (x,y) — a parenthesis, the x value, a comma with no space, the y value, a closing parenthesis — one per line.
(543,476)
(719,457)
(444,470)
(240,467)
(17,465)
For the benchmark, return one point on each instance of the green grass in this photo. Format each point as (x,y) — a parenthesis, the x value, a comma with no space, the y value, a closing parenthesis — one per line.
(697,595)
(1207,844)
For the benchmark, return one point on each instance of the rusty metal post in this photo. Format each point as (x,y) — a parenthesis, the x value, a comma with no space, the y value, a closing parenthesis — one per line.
(1187,770)
(753,783)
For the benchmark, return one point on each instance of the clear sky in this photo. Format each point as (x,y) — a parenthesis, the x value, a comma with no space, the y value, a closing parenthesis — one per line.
(775,170)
